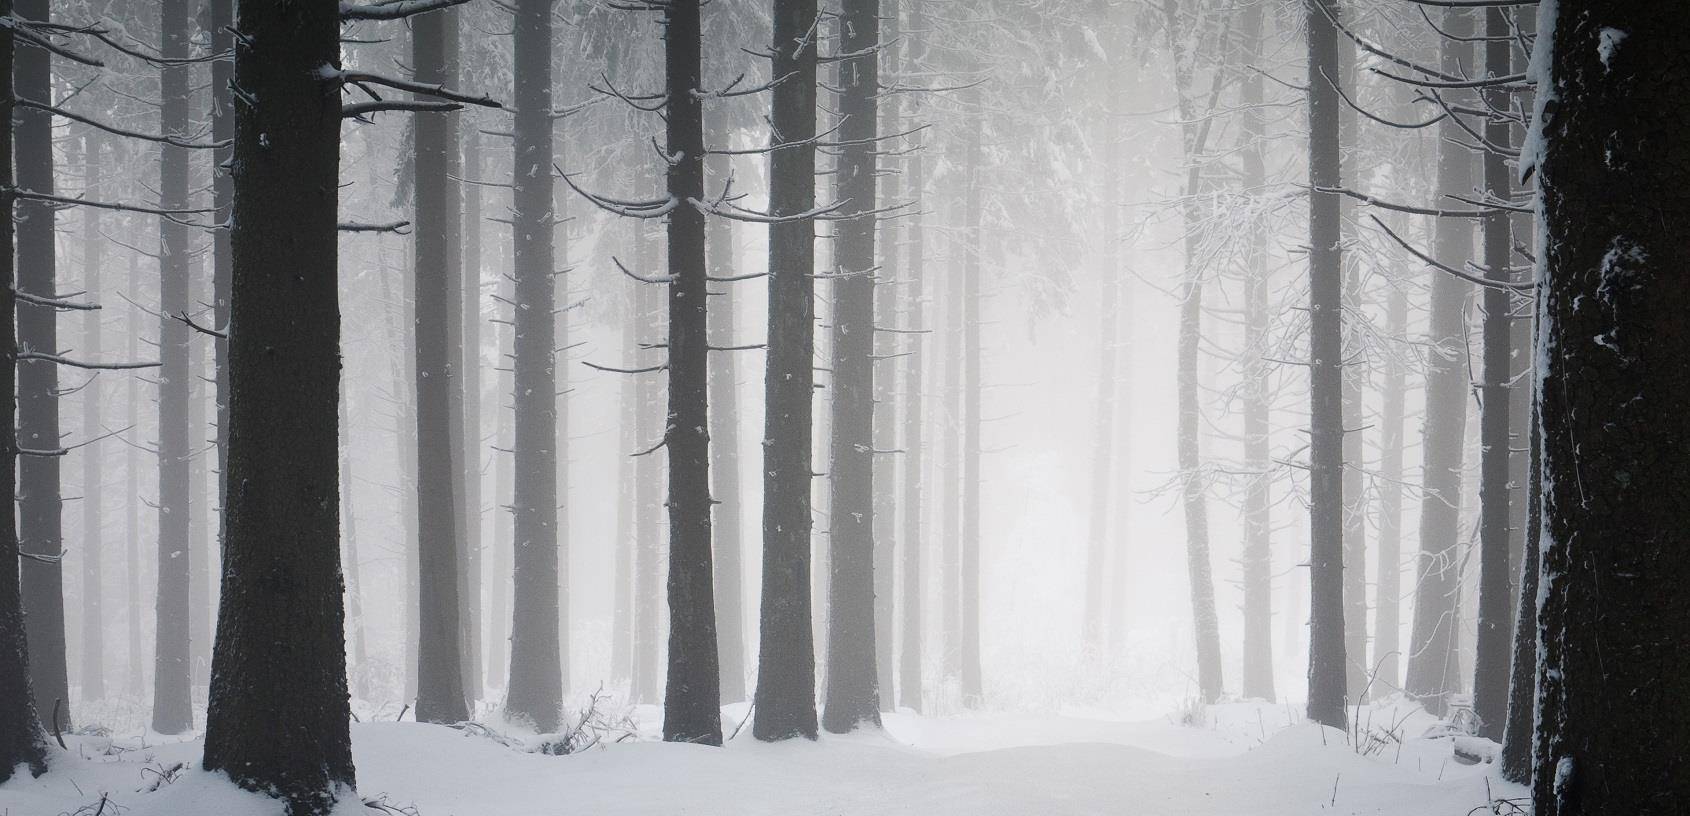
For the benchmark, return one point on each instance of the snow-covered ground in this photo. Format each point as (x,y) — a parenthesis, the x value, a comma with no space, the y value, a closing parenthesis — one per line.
(1231,760)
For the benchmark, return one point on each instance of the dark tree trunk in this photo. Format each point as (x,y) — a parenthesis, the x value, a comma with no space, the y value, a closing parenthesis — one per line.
(1496,568)
(93,452)
(1431,649)
(1327,681)
(440,651)
(885,474)
(39,503)
(1613,398)
(172,697)
(852,696)
(692,697)
(536,679)
(724,437)
(786,662)
(1258,525)
(21,739)
(278,714)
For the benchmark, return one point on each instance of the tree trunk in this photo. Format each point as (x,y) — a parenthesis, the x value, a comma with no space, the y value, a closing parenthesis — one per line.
(1431,653)
(1387,613)
(172,698)
(222,20)
(724,437)
(1356,666)
(1496,570)
(132,494)
(627,495)
(692,698)
(950,551)
(536,679)
(916,314)
(349,534)
(93,458)
(852,696)
(1612,398)
(648,485)
(21,739)
(968,599)
(502,560)
(786,664)
(278,714)
(1258,522)
(440,651)
(39,503)
(1327,663)
(1522,689)
(470,365)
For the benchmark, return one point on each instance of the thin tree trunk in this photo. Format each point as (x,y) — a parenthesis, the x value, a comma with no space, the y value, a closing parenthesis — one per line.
(785,700)
(21,739)
(916,311)
(1258,682)
(132,492)
(470,326)
(1432,671)
(852,695)
(950,556)
(1517,733)
(648,486)
(278,716)
(502,559)
(172,698)
(93,458)
(724,437)
(1327,692)
(1354,383)
(440,652)
(1387,620)
(1496,568)
(970,682)
(536,679)
(627,497)
(349,534)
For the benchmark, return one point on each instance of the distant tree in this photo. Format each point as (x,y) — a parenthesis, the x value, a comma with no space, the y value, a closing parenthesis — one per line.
(852,695)
(1612,137)
(1431,647)
(440,652)
(1327,663)
(785,699)
(93,463)
(173,711)
(536,680)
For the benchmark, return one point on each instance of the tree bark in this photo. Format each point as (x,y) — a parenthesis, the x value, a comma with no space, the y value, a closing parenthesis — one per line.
(912,617)
(852,696)
(278,714)
(536,680)
(724,437)
(22,741)
(1517,733)
(470,365)
(786,664)
(172,698)
(39,503)
(1327,663)
(1258,523)
(93,458)
(1496,570)
(970,680)
(1432,668)
(692,698)
(440,652)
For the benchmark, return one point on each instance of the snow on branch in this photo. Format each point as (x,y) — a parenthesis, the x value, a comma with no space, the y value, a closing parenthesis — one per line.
(364,78)
(58,359)
(117,131)
(393,9)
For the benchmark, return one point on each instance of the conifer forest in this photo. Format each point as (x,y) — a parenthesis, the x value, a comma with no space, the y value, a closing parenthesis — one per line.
(849,407)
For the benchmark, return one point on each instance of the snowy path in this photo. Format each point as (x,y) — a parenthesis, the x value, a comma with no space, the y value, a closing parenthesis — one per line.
(987,765)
